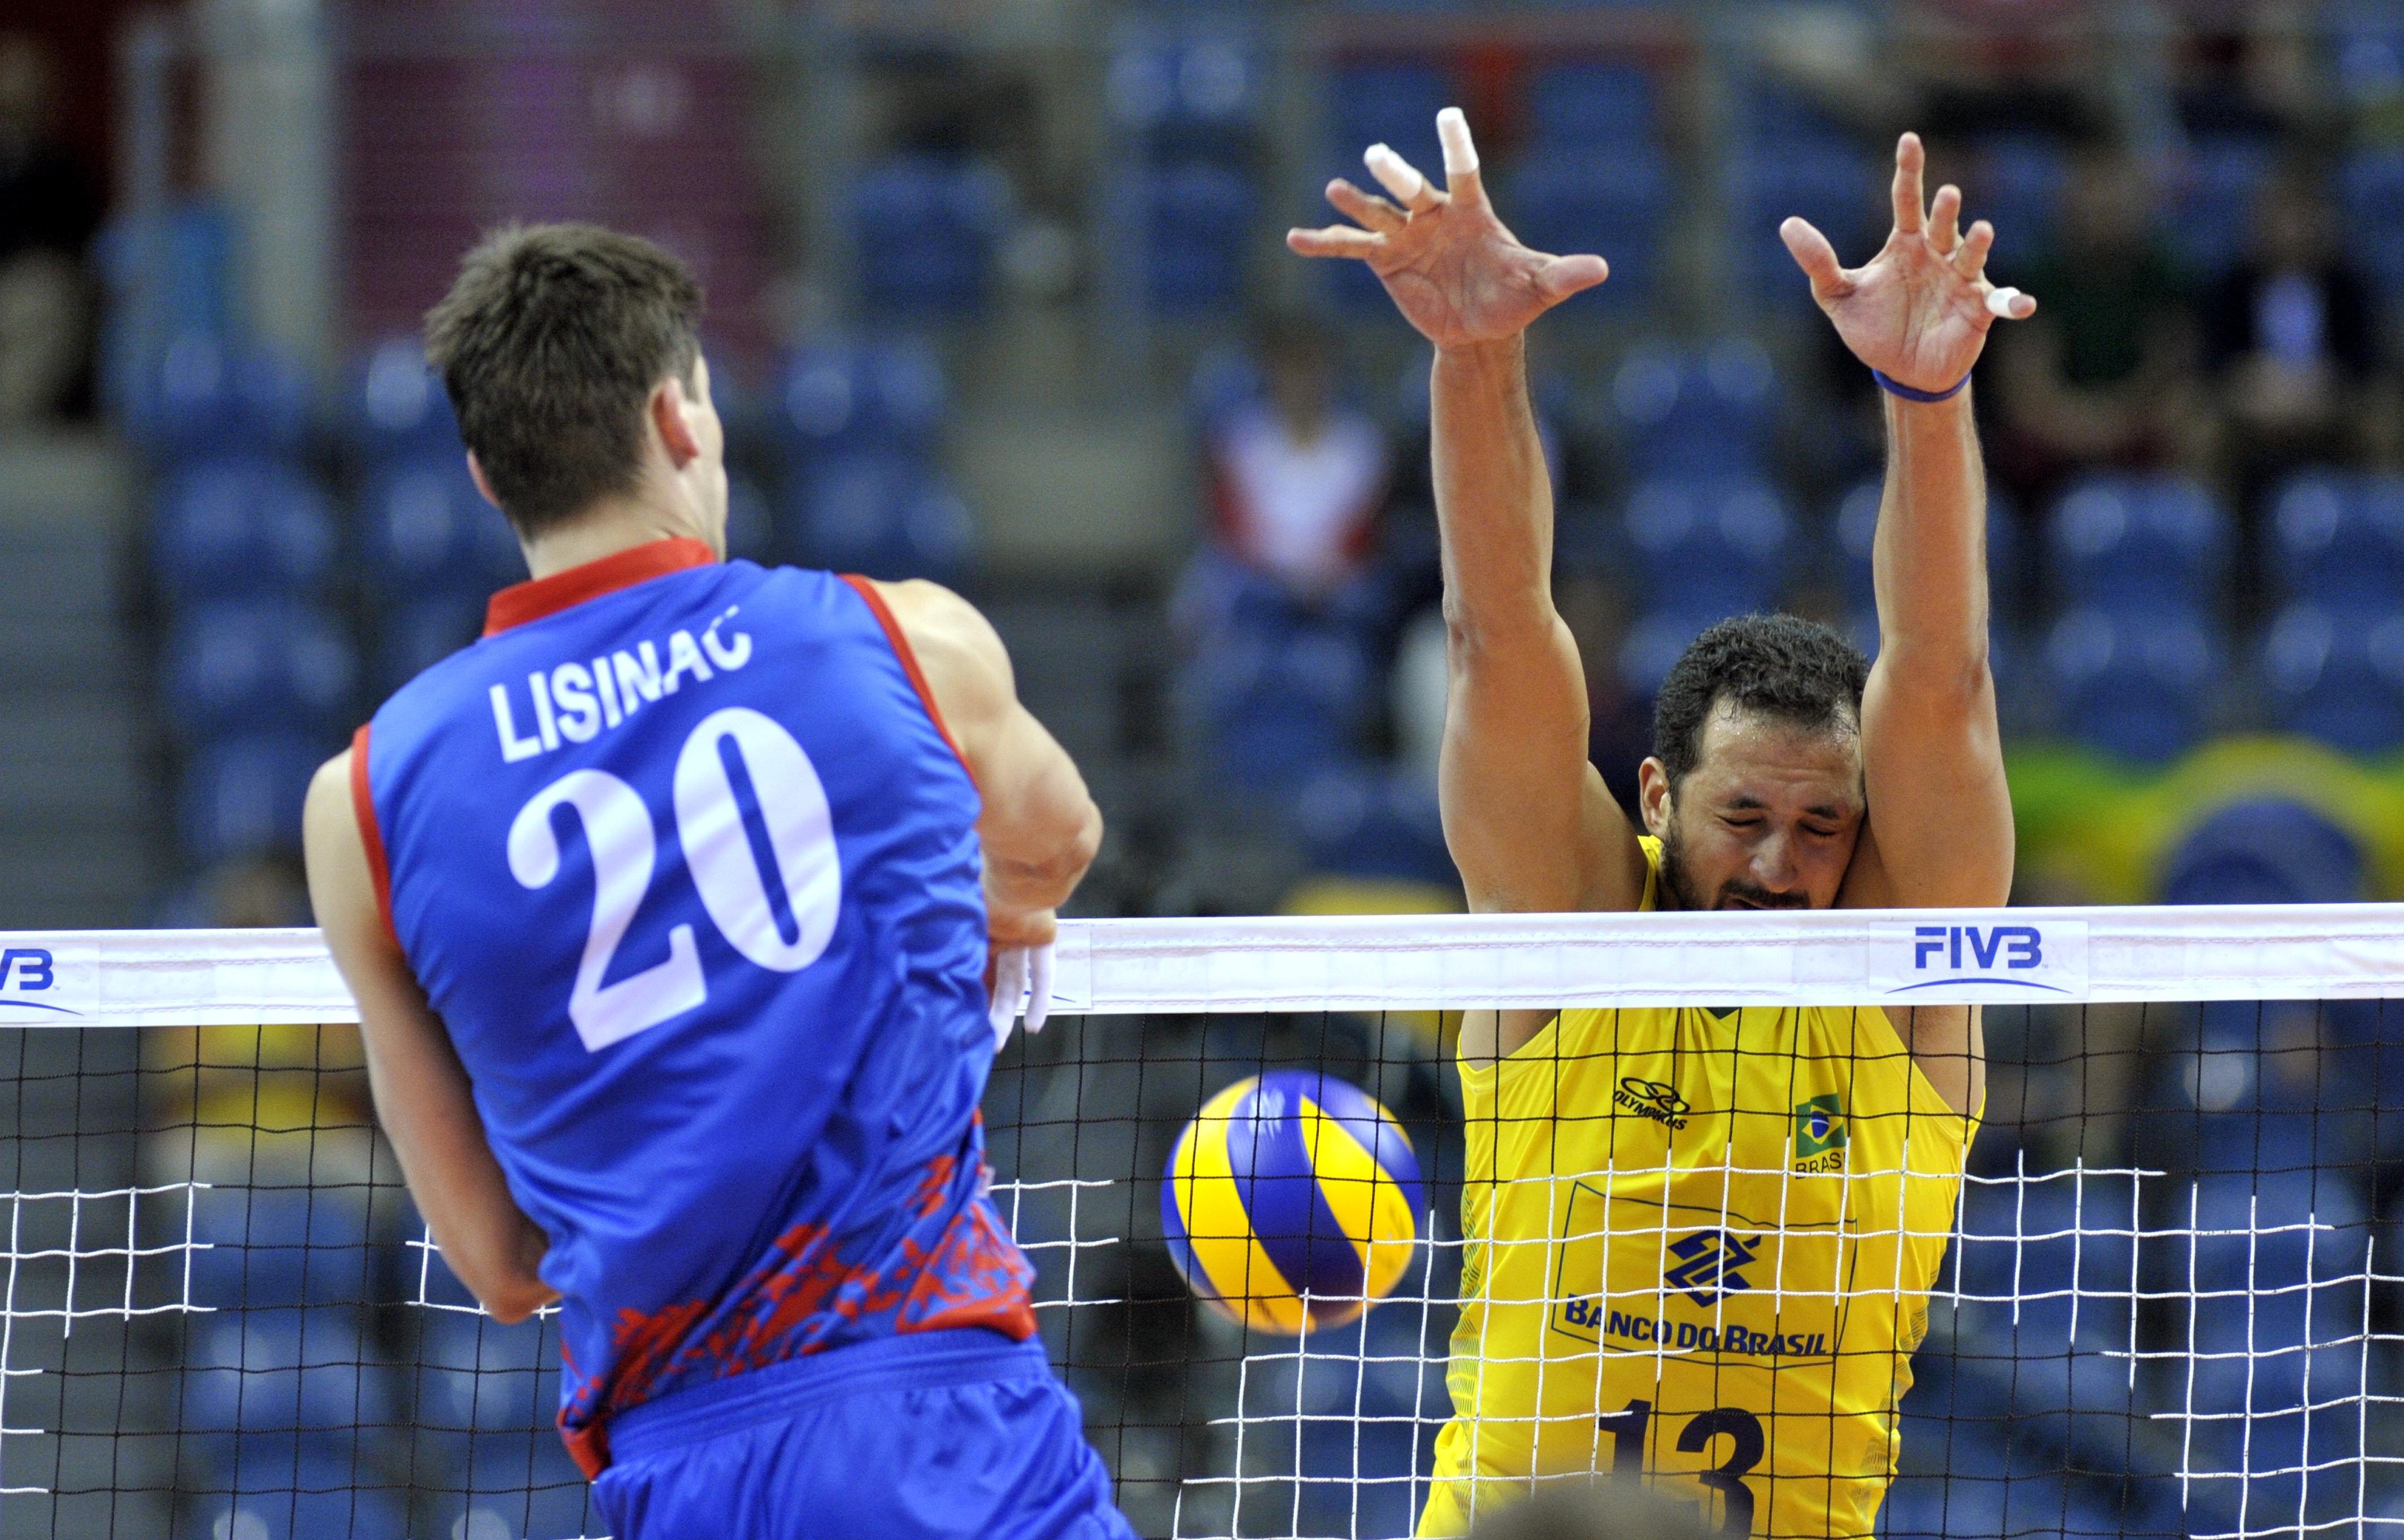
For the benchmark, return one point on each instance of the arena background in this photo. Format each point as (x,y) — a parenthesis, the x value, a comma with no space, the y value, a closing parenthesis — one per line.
(999,297)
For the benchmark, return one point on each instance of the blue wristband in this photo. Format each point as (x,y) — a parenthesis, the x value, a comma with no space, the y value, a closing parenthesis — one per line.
(1892,388)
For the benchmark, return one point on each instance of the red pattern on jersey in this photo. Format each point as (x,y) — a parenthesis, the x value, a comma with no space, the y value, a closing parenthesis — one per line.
(805,1298)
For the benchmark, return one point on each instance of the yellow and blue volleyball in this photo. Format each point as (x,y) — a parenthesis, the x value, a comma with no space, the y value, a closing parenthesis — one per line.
(1291,1202)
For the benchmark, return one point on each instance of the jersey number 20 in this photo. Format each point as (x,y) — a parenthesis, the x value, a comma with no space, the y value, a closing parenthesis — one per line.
(757,838)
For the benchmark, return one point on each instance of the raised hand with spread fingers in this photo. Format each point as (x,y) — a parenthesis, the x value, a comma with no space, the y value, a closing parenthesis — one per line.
(1919,310)
(1453,268)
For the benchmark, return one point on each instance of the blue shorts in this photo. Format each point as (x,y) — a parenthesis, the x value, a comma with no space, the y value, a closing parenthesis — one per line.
(946,1433)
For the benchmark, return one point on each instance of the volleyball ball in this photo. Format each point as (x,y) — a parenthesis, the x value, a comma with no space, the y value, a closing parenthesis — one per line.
(1291,1202)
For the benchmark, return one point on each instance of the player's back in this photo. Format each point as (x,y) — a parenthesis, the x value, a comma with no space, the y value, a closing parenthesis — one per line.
(688,866)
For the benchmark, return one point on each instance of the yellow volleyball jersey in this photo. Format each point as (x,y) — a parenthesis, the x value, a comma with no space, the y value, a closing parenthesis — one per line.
(1699,1244)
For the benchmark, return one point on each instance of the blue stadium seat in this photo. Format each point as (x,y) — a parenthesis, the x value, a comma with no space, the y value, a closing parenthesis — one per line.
(1709,544)
(2338,675)
(1615,203)
(1660,637)
(411,638)
(1791,160)
(843,398)
(207,397)
(1186,95)
(2370,191)
(1582,109)
(475,1375)
(2123,540)
(2212,212)
(2136,683)
(2015,183)
(241,796)
(1856,531)
(243,526)
(169,273)
(885,516)
(2278,1307)
(1194,220)
(1367,820)
(305,1488)
(426,531)
(281,1371)
(1276,694)
(240,666)
(2337,539)
(925,227)
(2265,851)
(398,408)
(502,1486)
(291,1246)
(750,522)
(1388,103)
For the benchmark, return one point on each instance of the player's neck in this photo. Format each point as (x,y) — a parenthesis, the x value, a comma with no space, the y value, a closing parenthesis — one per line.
(608,527)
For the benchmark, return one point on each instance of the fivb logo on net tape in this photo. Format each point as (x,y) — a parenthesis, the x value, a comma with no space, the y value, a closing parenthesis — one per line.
(44,979)
(1958,961)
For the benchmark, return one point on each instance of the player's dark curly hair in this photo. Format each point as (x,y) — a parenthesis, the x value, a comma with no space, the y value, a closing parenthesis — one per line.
(1794,670)
(549,344)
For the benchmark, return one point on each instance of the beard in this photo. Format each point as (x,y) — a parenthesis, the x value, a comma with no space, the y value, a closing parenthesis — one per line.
(1735,894)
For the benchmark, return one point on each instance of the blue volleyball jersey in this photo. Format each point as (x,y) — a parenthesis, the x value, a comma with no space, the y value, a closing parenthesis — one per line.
(687,863)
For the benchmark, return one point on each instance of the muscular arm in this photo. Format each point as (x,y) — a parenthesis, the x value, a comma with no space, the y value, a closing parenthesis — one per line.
(1524,813)
(421,1090)
(1940,832)
(1038,827)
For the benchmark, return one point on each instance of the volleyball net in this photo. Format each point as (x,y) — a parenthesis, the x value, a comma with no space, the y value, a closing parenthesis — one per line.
(2165,1301)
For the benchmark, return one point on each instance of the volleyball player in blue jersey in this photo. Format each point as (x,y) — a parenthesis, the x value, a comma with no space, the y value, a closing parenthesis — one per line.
(667,907)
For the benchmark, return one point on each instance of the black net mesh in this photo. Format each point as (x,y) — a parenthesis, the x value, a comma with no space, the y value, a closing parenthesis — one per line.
(2165,1306)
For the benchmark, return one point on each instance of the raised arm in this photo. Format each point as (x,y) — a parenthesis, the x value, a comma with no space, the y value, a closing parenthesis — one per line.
(421,1090)
(1525,814)
(1040,828)
(1940,825)
(1939,831)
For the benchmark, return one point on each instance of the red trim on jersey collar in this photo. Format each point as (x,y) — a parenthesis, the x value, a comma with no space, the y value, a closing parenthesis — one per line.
(531,600)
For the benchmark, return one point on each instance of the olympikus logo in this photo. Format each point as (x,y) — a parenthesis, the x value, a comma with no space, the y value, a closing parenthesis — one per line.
(1654,1100)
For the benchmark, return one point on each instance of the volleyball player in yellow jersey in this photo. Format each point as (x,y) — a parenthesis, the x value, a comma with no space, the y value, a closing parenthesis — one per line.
(1701,1242)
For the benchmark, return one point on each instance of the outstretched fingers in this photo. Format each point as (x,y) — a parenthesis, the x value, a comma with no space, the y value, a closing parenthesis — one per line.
(1461,178)
(1336,240)
(1401,178)
(1911,204)
(1367,209)
(1944,221)
(1815,256)
(1970,257)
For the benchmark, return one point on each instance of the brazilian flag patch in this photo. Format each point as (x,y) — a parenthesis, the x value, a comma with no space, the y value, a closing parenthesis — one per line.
(1819,1126)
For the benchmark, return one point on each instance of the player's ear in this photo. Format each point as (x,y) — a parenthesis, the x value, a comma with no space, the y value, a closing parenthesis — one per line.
(1653,799)
(476,474)
(671,415)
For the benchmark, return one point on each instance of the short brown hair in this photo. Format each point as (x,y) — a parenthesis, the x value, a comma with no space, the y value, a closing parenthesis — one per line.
(550,343)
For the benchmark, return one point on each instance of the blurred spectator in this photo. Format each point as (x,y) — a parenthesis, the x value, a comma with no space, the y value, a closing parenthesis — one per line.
(2246,69)
(48,209)
(2288,341)
(2102,376)
(1298,477)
